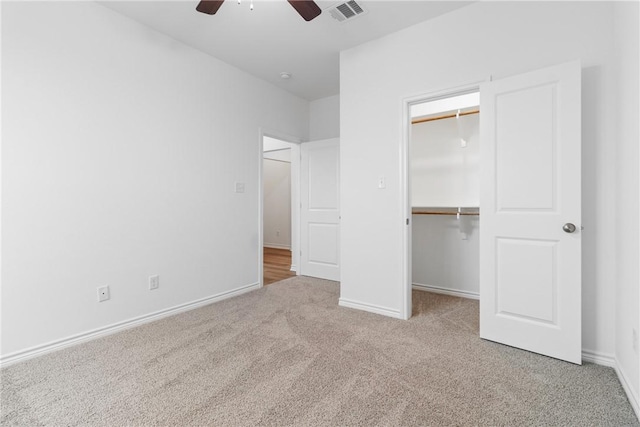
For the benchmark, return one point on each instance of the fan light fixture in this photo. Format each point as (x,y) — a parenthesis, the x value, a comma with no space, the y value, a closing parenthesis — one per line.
(307,9)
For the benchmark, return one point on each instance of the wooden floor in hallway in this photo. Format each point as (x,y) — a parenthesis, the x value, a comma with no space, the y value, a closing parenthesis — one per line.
(277,265)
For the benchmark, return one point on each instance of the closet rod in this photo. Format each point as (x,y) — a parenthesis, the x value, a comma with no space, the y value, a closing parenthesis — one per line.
(446,116)
(445,213)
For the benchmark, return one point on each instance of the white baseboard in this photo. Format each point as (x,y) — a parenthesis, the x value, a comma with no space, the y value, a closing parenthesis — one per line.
(626,386)
(50,347)
(598,358)
(294,268)
(276,246)
(446,291)
(343,302)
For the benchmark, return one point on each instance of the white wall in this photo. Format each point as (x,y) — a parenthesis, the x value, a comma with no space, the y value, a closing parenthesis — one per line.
(444,258)
(277,199)
(282,155)
(474,42)
(121,148)
(324,118)
(272,144)
(443,173)
(627,211)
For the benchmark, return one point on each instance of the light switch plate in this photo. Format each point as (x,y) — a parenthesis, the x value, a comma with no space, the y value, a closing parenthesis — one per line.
(382,182)
(154,282)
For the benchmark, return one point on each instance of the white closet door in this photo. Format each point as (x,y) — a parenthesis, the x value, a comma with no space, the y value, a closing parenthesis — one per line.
(320,213)
(530,236)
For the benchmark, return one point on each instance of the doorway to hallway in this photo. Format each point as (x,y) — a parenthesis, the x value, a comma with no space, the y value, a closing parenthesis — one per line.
(279,209)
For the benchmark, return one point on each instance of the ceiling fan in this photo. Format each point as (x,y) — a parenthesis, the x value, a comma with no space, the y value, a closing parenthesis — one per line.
(308,9)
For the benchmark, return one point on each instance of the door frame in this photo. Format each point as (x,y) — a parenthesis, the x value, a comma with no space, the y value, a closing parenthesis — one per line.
(405,180)
(295,198)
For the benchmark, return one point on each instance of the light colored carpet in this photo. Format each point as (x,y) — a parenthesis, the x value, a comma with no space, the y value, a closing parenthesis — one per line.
(288,355)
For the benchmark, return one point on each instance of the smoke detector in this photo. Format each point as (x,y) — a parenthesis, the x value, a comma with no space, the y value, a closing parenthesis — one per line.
(346,11)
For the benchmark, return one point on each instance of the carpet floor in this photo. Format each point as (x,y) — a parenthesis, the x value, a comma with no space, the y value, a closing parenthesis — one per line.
(288,355)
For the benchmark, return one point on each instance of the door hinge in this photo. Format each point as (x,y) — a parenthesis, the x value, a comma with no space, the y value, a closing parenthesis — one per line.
(407,221)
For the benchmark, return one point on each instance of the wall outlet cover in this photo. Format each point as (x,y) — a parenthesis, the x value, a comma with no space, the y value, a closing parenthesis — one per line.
(103,293)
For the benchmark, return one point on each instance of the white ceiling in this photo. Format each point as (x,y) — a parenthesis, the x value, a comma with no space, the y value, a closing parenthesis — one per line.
(273,38)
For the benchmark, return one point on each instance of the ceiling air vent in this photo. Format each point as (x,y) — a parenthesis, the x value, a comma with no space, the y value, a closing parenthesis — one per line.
(344,11)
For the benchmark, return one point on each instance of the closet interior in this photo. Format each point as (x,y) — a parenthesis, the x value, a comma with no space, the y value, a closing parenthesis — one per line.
(445,193)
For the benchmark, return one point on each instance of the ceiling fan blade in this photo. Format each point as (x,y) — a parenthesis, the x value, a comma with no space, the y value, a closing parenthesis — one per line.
(210,7)
(308,9)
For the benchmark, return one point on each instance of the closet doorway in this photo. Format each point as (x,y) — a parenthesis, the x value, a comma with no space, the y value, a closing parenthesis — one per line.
(444,164)
(529,189)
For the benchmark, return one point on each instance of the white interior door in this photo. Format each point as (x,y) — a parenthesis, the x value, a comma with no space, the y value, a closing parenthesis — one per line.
(320,213)
(530,267)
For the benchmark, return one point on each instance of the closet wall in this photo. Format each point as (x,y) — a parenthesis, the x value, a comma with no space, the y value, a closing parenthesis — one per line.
(444,177)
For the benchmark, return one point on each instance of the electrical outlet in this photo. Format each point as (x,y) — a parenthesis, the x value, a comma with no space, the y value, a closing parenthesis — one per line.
(154,282)
(103,293)
(634,339)
(239,187)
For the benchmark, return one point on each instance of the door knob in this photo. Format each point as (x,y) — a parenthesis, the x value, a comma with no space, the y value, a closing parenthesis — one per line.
(569,228)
